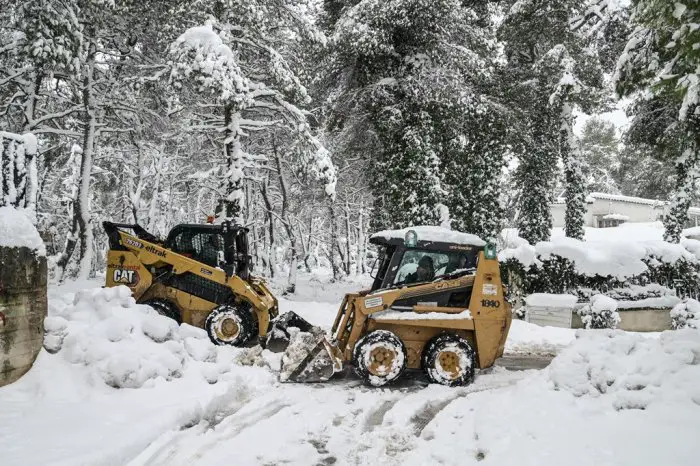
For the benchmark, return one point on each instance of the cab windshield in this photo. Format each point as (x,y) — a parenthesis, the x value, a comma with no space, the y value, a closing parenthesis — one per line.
(419,266)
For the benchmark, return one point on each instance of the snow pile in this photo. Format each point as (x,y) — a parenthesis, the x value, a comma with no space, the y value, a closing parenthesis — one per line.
(660,302)
(686,314)
(433,234)
(630,370)
(126,344)
(527,338)
(17,230)
(301,345)
(616,217)
(567,301)
(600,312)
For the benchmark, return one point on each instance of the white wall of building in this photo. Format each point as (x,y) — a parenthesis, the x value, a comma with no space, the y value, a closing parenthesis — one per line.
(636,210)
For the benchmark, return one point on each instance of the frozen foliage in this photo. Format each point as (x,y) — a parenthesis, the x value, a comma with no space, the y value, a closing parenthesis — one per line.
(126,344)
(630,371)
(660,67)
(554,69)
(600,313)
(202,55)
(253,98)
(18,170)
(17,230)
(416,74)
(433,233)
(659,52)
(686,314)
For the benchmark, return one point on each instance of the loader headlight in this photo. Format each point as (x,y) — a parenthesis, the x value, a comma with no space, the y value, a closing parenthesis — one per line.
(411,239)
(490,251)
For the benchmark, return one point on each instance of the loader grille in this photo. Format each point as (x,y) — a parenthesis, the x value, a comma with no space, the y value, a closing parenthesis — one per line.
(201,287)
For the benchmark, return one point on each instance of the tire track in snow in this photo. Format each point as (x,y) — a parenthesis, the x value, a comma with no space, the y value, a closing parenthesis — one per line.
(167,450)
(399,431)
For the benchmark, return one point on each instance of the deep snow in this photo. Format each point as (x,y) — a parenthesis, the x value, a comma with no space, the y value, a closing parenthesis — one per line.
(608,398)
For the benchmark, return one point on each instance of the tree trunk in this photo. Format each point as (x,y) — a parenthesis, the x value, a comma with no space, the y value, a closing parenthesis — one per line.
(271,261)
(286,223)
(337,274)
(574,191)
(348,240)
(232,208)
(361,249)
(686,174)
(81,230)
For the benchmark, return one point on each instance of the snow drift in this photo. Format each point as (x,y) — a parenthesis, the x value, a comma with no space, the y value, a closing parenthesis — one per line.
(631,371)
(126,344)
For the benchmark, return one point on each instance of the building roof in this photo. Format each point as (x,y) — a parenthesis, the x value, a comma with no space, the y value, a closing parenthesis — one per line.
(627,199)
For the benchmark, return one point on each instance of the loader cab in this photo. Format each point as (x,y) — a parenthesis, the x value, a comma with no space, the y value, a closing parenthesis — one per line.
(224,246)
(406,261)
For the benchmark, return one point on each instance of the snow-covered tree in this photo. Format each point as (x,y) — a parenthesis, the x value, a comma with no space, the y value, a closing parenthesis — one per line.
(600,154)
(232,65)
(661,60)
(553,68)
(408,76)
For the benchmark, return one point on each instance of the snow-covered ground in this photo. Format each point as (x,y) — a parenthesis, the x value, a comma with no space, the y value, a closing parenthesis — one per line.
(607,398)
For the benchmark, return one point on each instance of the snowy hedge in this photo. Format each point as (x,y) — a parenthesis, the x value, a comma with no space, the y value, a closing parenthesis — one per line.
(629,270)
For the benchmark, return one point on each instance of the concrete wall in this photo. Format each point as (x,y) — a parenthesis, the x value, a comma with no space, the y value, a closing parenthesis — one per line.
(637,320)
(23,307)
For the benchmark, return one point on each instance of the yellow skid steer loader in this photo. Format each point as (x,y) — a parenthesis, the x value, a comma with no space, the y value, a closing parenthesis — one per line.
(199,275)
(436,304)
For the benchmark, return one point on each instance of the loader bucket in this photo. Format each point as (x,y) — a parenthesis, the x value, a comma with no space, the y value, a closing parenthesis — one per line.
(279,335)
(309,360)
(308,355)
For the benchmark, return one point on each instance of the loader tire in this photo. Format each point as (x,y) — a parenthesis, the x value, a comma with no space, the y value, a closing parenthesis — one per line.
(380,357)
(449,359)
(165,308)
(230,325)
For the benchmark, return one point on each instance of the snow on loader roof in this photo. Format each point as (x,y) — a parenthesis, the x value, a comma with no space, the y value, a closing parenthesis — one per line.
(430,233)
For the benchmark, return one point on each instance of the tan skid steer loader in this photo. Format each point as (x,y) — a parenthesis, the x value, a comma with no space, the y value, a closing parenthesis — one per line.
(199,275)
(436,304)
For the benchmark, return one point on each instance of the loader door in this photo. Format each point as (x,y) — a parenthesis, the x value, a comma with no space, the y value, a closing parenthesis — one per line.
(205,246)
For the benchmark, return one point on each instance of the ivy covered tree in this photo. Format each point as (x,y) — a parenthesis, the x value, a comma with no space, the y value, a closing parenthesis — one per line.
(410,83)
(553,67)
(661,60)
